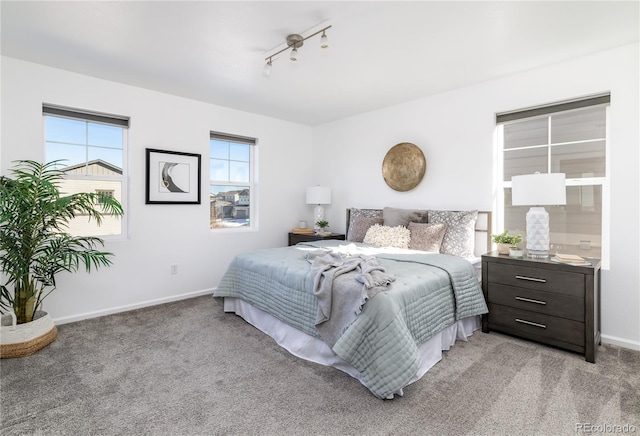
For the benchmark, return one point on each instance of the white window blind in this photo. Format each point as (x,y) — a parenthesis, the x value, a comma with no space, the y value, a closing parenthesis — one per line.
(569,137)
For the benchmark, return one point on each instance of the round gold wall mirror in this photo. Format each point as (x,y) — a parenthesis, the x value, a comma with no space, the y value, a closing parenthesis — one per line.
(404,166)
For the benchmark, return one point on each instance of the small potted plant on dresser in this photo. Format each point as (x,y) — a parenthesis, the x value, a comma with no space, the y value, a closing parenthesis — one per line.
(323,228)
(34,248)
(506,241)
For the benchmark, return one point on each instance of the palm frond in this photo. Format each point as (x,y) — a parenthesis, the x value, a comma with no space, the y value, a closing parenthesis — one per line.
(6,300)
(34,243)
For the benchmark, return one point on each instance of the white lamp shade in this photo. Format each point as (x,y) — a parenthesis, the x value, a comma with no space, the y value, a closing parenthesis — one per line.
(538,190)
(319,195)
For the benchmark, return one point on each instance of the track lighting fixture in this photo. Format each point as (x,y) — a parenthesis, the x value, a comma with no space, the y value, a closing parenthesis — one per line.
(294,42)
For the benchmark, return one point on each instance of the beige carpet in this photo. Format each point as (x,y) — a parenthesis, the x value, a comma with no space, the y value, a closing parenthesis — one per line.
(187,368)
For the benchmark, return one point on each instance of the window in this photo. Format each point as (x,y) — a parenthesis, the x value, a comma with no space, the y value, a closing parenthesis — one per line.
(104,193)
(91,148)
(571,138)
(231,186)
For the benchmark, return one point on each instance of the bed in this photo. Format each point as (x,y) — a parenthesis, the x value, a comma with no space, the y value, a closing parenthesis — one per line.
(381,305)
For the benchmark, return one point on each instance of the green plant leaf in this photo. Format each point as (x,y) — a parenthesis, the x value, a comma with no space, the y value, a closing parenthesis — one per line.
(506,238)
(322,223)
(35,244)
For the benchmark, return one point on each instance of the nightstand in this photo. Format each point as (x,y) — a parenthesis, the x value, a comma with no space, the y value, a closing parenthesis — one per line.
(295,238)
(545,301)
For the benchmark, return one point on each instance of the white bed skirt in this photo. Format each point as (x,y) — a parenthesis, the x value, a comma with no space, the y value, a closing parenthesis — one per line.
(314,349)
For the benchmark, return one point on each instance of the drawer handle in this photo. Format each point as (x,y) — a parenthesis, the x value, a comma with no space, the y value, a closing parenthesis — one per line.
(529,300)
(531,279)
(535,324)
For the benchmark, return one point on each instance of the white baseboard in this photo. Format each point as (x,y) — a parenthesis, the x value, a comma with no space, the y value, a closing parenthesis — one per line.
(625,343)
(128,307)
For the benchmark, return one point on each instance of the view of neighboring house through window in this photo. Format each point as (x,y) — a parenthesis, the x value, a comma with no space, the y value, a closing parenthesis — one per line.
(231,181)
(571,138)
(91,149)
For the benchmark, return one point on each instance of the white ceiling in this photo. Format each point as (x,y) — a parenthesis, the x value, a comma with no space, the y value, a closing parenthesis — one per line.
(381,54)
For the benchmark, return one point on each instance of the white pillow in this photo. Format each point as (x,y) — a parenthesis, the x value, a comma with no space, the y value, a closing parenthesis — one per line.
(385,236)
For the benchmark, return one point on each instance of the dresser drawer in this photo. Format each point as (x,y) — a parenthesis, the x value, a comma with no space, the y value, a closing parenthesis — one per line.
(524,322)
(563,282)
(549,303)
(295,238)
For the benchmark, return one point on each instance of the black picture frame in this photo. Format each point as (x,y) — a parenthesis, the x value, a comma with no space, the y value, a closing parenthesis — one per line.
(172,177)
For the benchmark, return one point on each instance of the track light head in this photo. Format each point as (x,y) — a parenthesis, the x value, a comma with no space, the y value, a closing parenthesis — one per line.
(267,68)
(324,41)
(294,41)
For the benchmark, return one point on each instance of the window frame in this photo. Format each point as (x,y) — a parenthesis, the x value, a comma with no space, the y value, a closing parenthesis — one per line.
(96,118)
(251,185)
(547,111)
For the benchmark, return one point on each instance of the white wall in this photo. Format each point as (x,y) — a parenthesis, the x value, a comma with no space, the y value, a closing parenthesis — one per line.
(455,131)
(159,235)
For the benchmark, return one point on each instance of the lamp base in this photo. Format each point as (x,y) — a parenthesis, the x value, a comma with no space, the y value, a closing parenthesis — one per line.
(537,233)
(537,254)
(318,215)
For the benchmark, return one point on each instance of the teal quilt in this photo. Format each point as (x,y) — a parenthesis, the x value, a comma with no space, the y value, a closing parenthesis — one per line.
(430,292)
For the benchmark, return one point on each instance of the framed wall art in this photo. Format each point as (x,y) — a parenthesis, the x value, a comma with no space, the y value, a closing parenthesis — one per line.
(172,177)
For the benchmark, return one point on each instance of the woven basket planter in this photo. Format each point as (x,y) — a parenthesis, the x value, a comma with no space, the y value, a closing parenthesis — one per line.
(19,340)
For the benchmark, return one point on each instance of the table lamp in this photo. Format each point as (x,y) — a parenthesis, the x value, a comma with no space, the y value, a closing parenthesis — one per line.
(538,190)
(318,195)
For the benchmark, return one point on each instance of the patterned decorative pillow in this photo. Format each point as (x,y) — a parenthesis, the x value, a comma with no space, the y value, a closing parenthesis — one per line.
(402,217)
(385,236)
(360,213)
(360,226)
(459,238)
(426,237)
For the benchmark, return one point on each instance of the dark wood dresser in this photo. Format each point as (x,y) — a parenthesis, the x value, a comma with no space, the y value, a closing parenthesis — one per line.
(295,238)
(545,301)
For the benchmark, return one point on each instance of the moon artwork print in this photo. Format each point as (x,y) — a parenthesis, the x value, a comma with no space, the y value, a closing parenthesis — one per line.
(174,177)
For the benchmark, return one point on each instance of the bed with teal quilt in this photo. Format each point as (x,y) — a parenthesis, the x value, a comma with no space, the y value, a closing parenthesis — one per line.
(383,314)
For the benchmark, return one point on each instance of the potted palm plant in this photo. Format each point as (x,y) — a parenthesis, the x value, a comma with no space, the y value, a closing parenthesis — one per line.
(35,246)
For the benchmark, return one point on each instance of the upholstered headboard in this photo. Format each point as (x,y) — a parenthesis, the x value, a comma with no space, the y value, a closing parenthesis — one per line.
(482,229)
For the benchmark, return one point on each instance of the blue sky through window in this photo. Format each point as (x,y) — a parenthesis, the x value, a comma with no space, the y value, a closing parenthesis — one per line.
(80,141)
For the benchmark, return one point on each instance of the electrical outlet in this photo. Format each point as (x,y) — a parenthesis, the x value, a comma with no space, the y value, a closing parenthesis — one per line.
(174,269)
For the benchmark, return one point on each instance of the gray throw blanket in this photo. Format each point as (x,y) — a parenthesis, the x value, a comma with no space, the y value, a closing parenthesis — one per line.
(342,284)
